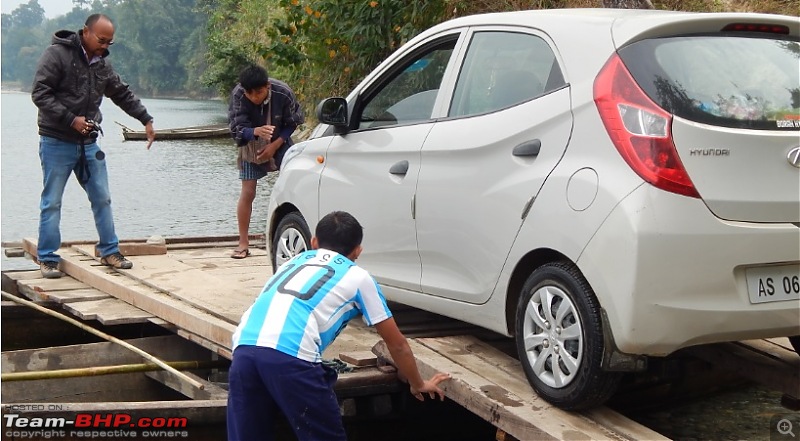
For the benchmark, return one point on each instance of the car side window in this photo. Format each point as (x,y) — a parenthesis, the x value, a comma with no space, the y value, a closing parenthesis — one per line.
(502,69)
(410,93)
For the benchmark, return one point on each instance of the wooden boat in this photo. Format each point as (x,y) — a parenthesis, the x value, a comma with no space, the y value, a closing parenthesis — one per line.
(194,132)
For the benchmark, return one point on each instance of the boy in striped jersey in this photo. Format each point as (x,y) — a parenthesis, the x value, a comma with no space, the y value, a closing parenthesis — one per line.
(278,345)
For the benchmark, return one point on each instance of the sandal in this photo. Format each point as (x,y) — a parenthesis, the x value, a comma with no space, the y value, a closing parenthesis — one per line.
(240,254)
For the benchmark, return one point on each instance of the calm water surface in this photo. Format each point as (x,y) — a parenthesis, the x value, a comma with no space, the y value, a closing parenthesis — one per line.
(177,188)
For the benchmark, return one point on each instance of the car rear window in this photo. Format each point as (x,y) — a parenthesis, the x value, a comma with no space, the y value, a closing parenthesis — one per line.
(722,79)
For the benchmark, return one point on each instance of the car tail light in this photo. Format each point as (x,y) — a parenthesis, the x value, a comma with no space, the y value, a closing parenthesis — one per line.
(756,27)
(639,129)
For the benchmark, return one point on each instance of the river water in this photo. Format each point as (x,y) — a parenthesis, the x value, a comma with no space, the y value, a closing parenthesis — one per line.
(177,188)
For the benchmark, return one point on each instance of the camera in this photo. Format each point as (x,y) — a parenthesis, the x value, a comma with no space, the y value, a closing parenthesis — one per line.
(95,129)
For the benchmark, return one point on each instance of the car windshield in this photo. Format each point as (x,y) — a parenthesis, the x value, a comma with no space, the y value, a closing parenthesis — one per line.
(725,80)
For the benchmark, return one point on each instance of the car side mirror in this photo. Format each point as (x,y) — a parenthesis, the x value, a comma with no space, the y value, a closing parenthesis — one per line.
(333,111)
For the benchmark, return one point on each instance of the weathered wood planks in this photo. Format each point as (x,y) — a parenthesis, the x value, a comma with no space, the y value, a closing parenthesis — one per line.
(492,385)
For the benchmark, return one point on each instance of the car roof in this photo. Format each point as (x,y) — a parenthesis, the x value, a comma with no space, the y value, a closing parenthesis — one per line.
(627,24)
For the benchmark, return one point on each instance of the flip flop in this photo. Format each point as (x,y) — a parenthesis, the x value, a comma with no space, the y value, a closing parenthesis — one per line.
(240,254)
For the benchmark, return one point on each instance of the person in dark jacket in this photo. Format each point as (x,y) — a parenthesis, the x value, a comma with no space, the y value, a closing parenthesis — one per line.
(71,79)
(263,109)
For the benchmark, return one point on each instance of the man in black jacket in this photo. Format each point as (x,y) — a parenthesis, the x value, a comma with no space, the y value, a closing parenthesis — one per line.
(71,79)
(265,110)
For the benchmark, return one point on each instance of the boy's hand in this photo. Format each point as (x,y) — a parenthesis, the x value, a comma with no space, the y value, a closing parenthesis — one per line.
(431,387)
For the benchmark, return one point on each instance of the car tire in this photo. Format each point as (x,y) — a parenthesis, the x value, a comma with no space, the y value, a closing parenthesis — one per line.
(292,237)
(564,368)
(795,342)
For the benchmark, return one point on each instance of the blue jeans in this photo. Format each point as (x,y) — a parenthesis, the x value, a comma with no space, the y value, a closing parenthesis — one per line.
(59,160)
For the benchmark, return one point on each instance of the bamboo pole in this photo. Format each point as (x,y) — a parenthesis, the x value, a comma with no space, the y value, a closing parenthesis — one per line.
(107,370)
(111,338)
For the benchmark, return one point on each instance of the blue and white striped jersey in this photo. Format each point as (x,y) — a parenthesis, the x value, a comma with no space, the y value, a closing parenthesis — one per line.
(308,301)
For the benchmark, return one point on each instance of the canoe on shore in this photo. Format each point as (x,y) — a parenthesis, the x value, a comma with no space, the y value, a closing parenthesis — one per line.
(195,132)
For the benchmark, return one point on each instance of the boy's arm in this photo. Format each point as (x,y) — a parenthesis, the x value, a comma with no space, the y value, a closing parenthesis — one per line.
(404,360)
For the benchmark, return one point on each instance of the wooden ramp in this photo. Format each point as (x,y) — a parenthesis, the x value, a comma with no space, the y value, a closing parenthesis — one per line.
(201,293)
(196,290)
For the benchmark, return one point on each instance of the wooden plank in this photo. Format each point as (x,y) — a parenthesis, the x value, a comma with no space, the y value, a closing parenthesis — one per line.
(507,372)
(23,275)
(360,358)
(162,305)
(210,390)
(775,349)
(224,351)
(168,348)
(753,365)
(76,295)
(117,387)
(485,388)
(356,337)
(41,285)
(490,402)
(782,342)
(109,387)
(188,284)
(138,249)
(108,311)
(222,254)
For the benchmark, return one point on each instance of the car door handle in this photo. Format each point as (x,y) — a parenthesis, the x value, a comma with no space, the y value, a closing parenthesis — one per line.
(400,168)
(528,148)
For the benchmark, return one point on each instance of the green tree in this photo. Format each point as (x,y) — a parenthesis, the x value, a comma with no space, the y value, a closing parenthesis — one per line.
(28,15)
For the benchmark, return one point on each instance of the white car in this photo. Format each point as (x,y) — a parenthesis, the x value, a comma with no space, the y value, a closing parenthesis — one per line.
(604,185)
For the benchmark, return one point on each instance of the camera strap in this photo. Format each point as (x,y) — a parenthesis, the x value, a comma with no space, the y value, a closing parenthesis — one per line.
(82,171)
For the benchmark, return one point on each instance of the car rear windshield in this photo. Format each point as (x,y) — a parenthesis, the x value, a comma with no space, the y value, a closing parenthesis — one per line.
(723,79)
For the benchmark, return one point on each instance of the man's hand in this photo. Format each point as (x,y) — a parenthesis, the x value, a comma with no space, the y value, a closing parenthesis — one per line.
(269,150)
(264,132)
(81,125)
(151,133)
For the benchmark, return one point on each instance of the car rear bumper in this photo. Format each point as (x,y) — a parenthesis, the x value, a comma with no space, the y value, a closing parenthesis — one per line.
(669,274)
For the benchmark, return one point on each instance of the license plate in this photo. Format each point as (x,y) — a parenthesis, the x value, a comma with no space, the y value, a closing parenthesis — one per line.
(773,283)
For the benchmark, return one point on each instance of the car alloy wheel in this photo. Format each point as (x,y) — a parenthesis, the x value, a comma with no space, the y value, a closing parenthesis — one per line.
(559,336)
(553,336)
(292,237)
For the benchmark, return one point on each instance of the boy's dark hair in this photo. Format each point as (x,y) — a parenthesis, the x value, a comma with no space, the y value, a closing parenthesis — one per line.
(253,77)
(339,231)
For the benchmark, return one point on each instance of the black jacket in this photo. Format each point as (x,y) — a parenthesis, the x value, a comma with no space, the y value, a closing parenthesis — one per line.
(243,115)
(66,86)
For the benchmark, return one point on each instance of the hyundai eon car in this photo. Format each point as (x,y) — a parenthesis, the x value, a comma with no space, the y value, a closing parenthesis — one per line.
(603,185)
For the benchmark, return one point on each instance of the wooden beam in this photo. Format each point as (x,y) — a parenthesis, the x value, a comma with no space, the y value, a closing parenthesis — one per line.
(75,295)
(753,363)
(210,390)
(168,348)
(188,284)
(39,290)
(476,394)
(361,358)
(154,301)
(138,249)
(109,311)
(507,372)
(486,383)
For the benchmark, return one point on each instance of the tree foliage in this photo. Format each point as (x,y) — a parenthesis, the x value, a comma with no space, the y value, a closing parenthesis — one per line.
(320,47)
(159,44)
